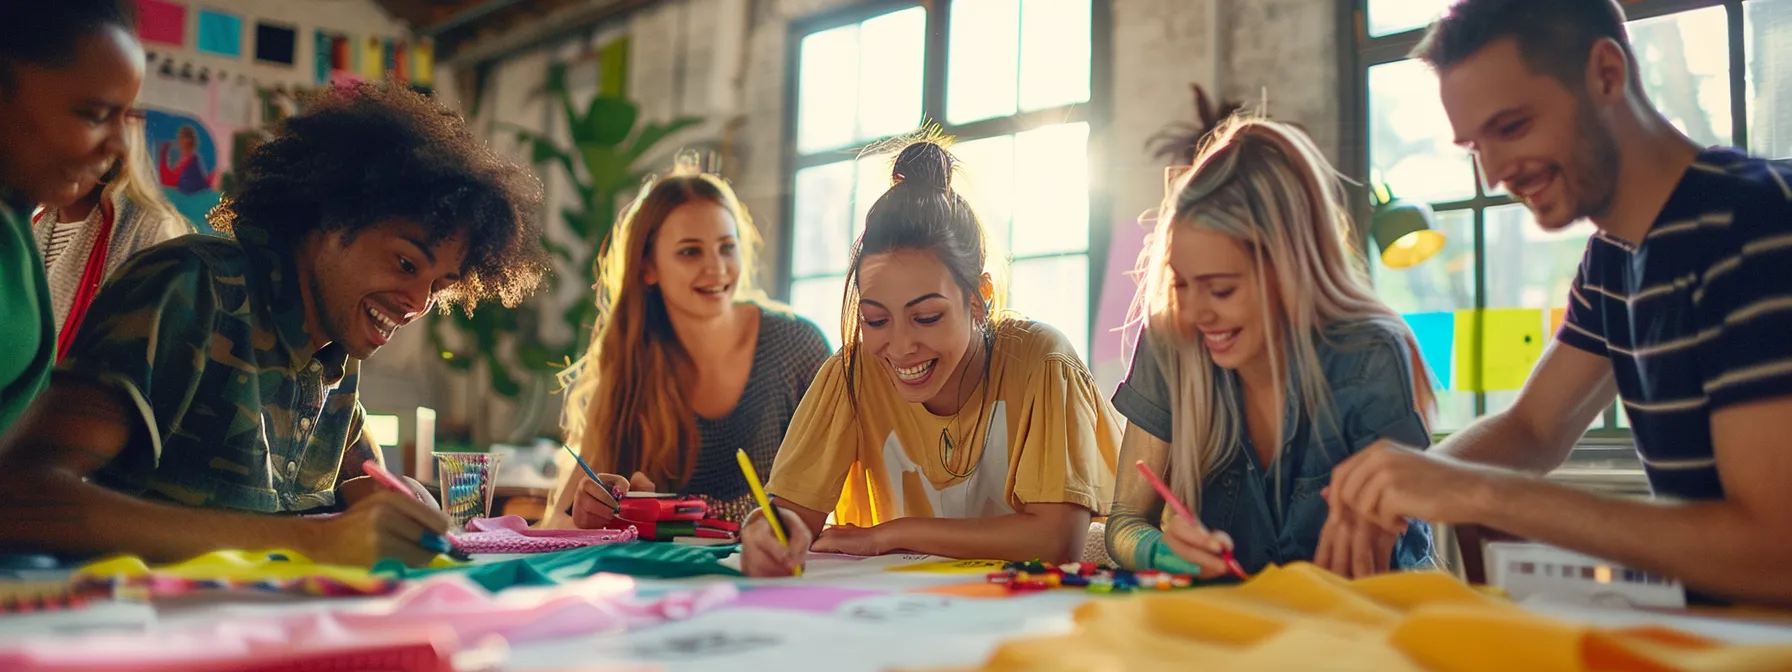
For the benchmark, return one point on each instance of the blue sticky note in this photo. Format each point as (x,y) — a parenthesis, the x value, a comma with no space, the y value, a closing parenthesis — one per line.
(220,33)
(1436,333)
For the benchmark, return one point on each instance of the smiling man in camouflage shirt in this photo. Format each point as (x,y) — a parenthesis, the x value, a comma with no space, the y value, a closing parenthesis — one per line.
(214,380)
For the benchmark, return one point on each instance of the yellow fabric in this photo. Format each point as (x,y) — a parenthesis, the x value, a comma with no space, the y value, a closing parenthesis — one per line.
(239,566)
(1301,617)
(1039,403)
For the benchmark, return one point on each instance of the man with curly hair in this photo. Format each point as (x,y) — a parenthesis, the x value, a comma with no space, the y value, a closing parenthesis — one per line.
(214,381)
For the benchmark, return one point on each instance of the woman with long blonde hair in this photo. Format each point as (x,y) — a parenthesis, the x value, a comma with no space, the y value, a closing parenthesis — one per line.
(84,241)
(1266,360)
(687,361)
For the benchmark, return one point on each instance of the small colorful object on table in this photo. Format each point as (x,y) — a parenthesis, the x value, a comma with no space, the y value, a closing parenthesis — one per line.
(666,517)
(1038,575)
(279,571)
(467,481)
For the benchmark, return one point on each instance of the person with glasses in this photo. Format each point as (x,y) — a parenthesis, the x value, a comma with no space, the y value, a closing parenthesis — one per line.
(1682,308)
(1266,360)
(944,426)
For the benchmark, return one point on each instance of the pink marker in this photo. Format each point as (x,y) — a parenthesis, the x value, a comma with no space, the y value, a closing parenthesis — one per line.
(379,473)
(1182,510)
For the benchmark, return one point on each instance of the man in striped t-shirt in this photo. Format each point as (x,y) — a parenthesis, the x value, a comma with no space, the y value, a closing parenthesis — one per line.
(1683,306)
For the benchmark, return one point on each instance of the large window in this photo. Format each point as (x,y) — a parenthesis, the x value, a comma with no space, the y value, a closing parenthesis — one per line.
(1014,89)
(1720,71)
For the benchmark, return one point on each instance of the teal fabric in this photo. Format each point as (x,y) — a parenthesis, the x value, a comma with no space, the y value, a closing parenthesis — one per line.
(27,330)
(652,560)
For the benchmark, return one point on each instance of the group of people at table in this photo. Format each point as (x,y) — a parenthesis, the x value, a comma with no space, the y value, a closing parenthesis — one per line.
(208,389)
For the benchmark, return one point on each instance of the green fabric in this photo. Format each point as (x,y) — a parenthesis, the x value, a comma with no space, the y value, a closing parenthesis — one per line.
(27,330)
(1165,560)
(207,337)
(645,559)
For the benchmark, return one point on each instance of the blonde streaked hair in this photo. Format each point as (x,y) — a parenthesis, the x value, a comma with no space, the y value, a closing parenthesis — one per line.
(623,410)
(1264,184)
(133,178)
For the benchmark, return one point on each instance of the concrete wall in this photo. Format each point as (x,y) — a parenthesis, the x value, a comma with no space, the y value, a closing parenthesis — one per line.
(726,60)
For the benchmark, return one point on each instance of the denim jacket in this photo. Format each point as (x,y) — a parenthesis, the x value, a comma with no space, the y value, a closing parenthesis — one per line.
(1274,513)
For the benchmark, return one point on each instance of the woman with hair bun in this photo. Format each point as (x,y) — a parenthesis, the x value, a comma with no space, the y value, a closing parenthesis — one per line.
(944,426)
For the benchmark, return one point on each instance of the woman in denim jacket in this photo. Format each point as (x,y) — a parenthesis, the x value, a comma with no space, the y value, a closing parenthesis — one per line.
(1266,360)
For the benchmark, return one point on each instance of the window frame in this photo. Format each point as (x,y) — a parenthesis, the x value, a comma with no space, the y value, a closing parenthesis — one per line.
(1096,112)
(1359,52)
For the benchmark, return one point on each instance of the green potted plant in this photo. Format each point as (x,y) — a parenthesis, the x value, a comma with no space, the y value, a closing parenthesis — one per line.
(605,144)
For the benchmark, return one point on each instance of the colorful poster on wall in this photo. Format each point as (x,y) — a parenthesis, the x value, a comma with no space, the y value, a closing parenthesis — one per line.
(162,22)
(320,56)
(373,58)
(186,159)
(276,44)
(220,33)
(423,63)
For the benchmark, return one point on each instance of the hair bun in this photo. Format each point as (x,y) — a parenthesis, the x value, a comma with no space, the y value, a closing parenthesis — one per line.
(923,163)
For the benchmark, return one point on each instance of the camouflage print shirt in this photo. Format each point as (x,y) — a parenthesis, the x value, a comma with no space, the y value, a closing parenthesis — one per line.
(207,337)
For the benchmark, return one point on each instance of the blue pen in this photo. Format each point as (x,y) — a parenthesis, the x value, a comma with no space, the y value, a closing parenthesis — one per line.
(592,473)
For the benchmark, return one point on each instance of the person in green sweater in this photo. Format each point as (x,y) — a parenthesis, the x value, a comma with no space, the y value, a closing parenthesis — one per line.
(69,72)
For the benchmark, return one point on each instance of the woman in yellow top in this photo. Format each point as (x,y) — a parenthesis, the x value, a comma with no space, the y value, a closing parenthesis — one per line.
(943,426)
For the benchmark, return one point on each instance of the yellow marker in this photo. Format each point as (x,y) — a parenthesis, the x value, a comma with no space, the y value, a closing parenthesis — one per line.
(765,503)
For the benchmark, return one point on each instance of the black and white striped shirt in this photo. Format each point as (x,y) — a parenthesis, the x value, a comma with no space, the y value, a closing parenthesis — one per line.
(1696,318)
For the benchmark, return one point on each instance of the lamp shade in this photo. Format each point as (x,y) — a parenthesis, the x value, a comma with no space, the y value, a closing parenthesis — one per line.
(1402,232)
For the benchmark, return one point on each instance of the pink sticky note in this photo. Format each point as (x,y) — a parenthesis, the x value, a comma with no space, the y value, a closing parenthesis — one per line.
(162,22)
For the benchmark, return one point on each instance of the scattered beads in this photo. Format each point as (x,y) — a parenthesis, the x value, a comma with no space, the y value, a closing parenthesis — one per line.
(1037,575)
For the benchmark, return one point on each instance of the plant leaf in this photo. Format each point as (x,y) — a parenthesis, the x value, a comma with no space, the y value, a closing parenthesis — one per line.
(575,221)
(654,132)
(608,121)
(608,170)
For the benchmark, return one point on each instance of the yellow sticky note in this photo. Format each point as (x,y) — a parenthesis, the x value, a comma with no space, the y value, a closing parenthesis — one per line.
(1511,344)
(373,59)
(423,62)
(1468,347)
(953,567)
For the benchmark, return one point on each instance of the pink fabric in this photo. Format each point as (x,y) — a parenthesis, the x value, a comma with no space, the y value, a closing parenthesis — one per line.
(511,534)
(440,612)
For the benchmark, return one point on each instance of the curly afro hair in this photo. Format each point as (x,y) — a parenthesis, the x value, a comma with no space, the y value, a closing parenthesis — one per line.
(364,154)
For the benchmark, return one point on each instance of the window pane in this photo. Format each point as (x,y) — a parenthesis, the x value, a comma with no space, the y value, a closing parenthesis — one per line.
(871,181)
(1055,291)
(1441,283)
(1410,141)
(1623,416)
(986,179)
(1054,53)
(1051,169)
(819,300)
(1528,267)
(1684,60)
(982,59)
(891,62)
(829,79)
(1445,282)
(821,238)
(1767,27)
(1387,17)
